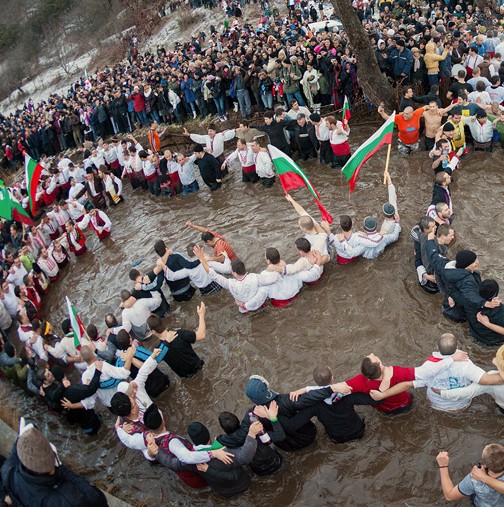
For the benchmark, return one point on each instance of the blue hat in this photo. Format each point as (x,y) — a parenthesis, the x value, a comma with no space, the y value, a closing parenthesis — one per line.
(258,390)
(369,224)
(388,210)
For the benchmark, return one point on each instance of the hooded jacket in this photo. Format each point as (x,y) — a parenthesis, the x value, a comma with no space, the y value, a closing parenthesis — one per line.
(432,59)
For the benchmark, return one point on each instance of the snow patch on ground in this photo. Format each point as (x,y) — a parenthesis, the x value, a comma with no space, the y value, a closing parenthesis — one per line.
(170,32)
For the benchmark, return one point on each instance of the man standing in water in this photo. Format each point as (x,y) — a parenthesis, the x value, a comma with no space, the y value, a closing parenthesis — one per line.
(210,168)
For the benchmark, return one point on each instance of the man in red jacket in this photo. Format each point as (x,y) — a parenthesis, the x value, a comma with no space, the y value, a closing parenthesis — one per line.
(139,106)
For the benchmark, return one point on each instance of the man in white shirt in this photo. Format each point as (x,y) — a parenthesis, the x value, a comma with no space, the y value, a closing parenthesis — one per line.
(110,378)
(77,192)
(17,272)
(263,164)
(59,216)
(186,174)
(466,394)
(243,286)
(134,318)
(77,173)
(9,299)
(213,142)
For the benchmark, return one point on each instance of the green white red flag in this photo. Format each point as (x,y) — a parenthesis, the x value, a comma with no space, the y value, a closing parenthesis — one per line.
(33,170)
(10,209)
(346,109)
(292,176)
(366,150)
(77,327)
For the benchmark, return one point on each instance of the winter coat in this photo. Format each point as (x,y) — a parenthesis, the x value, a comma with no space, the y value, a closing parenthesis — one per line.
(101,113)
(186,87)
(119,106)
(63,489)
(463,287)
(402,61)
(138,101)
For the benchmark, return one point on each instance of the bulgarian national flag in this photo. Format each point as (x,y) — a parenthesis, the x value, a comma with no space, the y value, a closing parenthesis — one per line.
(10,209)
(33,170)
(292,176)
(366,150)
(346,110)
(76,323)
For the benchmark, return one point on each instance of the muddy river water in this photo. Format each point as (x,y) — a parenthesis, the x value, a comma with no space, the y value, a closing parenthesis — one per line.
(369,306)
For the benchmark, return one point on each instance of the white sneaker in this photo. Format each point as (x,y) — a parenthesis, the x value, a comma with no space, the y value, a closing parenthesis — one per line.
(235,105)
(194,114)
(225,117)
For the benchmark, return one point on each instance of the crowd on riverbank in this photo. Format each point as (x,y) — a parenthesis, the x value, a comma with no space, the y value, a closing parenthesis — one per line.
(32,260)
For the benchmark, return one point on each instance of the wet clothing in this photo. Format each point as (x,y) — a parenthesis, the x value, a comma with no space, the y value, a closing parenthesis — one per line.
(361,384)
(483,334)
(294,417)
(338,416)
(181,290)
(210,170)
(227,480)
(181,357)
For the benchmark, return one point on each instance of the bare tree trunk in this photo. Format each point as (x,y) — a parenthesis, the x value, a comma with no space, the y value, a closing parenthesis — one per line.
(375,85)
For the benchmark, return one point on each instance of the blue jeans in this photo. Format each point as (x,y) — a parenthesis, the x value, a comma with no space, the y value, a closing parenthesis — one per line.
(192,187)
(244,101)
(142,117)
(155,116)
(154,187)
(433,79)
(267,100)
(296,95)
(219,104)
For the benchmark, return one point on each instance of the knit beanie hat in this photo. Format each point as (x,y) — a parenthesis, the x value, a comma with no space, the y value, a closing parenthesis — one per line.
(152,417)
(198,433)
(258,391)
(388,210)
(35,452)
(315,117)
(465,258)
(488,289)
(369,224)
(448,127)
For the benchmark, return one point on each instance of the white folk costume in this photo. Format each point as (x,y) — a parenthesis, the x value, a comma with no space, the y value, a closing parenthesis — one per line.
(263,165)
(76,241)
(214,144)
(247,162)
(100,223)
(48,265)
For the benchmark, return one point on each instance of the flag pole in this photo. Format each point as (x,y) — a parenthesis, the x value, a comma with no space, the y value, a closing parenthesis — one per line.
(385,173)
